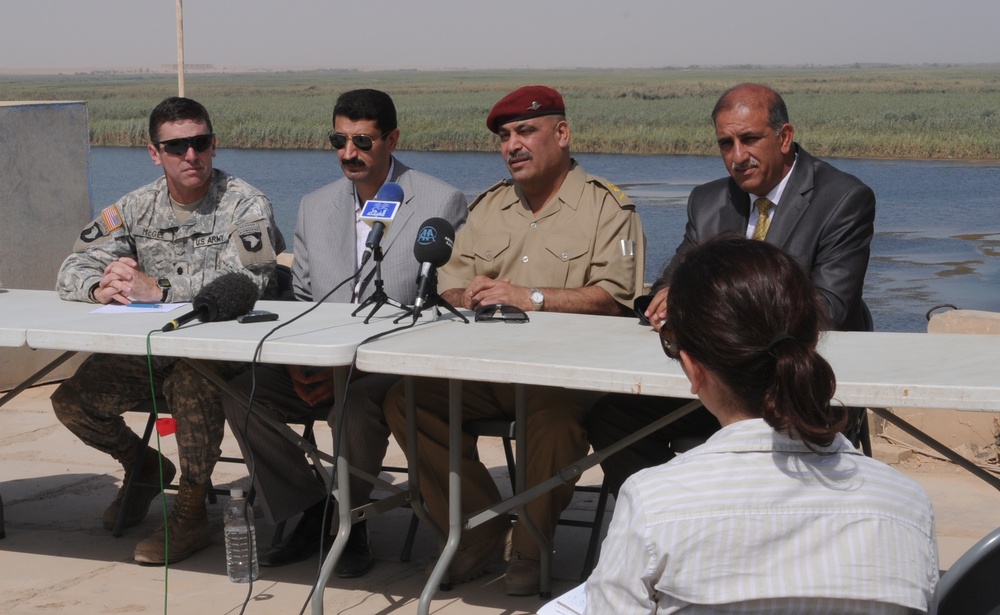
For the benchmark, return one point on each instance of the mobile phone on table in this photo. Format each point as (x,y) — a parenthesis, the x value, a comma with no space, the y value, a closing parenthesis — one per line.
(257,316)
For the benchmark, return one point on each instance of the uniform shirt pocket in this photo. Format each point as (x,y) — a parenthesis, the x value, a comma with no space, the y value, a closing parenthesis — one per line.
(571,258)
(488,249)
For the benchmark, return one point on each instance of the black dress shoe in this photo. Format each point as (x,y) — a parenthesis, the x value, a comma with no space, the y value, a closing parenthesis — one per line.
(304,540)
(357,559)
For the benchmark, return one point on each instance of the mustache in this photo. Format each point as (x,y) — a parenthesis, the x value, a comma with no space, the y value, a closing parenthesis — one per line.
(518,157)
(352,161)
(753,163)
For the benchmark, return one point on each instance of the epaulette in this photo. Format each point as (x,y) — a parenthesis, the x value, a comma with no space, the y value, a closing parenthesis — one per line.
(623,199)
(503,183)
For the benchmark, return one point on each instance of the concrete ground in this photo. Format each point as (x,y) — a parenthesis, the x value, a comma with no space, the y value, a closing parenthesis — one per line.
(57,558)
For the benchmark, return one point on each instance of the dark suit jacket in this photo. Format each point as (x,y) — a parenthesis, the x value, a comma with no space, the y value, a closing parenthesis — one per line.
(325,248)
(825,219)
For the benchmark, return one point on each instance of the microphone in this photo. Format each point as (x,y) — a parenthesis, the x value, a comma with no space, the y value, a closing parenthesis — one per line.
(378,214)
(432,249)
(224,298)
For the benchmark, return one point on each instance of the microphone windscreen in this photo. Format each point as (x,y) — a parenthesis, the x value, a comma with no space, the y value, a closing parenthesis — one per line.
(435,239)
(226,297)
(390,191)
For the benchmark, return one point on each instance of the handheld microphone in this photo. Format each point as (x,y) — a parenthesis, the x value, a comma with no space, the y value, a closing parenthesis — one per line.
(378,214)
(224,298)
(432,249)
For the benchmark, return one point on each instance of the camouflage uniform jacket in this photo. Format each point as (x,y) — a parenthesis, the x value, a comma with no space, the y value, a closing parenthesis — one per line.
(232,230)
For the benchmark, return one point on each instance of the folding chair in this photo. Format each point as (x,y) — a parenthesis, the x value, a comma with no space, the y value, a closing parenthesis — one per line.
(504,429)
(133,482)
(970,585)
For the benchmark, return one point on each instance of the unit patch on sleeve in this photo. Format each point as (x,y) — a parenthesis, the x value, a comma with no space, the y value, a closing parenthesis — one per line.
(254,244)
(92,233)
(250,235)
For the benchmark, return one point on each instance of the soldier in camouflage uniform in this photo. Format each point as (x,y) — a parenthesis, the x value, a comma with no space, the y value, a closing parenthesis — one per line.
(164,242)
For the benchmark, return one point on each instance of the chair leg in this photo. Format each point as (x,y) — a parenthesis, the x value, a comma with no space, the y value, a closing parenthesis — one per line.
(864,435)
(279,533)
(411,535)
(508,452)
(136,470)
(595,531)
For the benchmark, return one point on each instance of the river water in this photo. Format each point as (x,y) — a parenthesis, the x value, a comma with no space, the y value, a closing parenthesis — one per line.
(937,233)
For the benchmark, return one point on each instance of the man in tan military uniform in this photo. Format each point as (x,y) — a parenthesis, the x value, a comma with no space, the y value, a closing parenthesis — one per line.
(551,238)
(164,242)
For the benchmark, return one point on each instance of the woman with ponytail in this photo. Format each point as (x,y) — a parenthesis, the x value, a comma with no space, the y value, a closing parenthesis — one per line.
(777,512)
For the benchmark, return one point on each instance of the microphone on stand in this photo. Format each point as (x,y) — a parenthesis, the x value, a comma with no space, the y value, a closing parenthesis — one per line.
(378,214)
(432,249)
(224,298)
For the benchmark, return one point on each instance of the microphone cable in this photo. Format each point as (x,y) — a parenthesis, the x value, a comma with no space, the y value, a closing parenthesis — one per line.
(336,447)
(163,500)
(251,462)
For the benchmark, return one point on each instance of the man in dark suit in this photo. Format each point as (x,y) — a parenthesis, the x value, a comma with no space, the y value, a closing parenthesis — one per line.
(780,194)
(329,240)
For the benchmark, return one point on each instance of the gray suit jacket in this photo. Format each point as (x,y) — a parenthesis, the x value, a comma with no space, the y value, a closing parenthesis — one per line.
(825,219)
(325,237)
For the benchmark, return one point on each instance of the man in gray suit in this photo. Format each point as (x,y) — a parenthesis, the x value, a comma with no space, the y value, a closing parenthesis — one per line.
(329,241)
(780,194)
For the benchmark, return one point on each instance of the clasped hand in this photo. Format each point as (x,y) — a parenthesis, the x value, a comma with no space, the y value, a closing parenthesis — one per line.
(125,283)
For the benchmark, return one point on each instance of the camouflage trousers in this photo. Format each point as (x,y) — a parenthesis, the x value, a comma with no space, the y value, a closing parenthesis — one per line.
(91,403)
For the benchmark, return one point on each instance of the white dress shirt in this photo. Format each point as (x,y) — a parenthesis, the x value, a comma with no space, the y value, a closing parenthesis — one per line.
(361,233)
(753,522)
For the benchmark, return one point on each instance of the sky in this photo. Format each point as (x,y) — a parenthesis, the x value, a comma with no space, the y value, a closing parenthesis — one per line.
(48,35)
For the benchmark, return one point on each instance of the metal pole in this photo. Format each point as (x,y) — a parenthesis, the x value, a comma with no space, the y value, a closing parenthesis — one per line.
(180,48)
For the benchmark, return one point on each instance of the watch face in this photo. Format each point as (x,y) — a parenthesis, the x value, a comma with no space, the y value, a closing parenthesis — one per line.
(537,297)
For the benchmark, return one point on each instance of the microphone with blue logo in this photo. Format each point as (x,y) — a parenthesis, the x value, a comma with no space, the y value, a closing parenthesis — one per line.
(378,214)
(432,249)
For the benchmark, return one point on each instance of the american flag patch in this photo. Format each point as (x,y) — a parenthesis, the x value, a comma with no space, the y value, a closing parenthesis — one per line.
(112,219)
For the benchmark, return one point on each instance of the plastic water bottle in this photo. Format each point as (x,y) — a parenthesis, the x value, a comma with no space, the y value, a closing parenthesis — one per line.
(241,540)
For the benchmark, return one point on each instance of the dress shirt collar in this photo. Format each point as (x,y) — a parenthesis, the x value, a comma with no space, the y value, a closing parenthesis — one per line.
(754,435)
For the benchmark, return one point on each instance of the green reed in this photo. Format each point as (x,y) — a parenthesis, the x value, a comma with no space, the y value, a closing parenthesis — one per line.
(909,112)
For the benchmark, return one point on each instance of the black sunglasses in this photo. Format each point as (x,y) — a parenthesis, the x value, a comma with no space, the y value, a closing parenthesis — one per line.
(179,147)
(669,342)
(362,142)
(501,312)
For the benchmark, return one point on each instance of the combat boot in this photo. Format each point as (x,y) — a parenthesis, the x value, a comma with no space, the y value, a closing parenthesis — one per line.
(189,529)
(142,495)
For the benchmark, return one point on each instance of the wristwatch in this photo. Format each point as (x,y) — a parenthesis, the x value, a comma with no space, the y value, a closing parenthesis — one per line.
(164,285)
(537,300)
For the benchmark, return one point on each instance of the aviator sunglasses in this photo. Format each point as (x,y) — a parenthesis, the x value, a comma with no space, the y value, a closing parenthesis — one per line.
(501,312)
(669,341)
(362,142)
(179,147)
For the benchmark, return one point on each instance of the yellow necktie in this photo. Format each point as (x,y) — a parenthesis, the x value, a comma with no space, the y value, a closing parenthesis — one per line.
(763,223)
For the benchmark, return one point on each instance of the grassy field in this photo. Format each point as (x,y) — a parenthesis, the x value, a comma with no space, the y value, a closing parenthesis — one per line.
(901,112)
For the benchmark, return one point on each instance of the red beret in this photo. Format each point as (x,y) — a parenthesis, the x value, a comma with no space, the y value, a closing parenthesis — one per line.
(525,103)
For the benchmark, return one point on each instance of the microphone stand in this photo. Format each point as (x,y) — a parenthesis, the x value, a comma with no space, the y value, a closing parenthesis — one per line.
(435,301)
(378,297)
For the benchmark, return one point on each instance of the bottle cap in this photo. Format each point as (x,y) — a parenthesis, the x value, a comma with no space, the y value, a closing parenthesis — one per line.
(235,492)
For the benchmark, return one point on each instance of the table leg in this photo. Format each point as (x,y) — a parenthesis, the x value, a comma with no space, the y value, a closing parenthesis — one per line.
(951,455)
(520,484)
(574,470)
(342,494)
(32,379)
(440,571)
